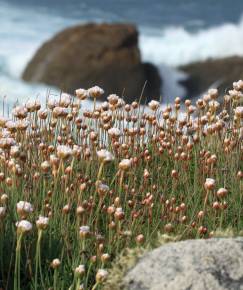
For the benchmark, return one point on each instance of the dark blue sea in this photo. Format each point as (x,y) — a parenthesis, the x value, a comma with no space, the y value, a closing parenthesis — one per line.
(172,33)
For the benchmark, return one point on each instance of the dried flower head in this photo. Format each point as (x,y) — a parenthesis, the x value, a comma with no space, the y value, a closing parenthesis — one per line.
(3,211)
(82,94)
(24,208)
(101,275)
(33,105)
(55,263)
(222,192)
(125,164)
(20,112)
(95,92)
(6,143)
(213,93)
(45,166)
(113,99)
(119,213)
(114,132)
(153,105)
(239,112)
(102,188)
(60,112)
(105,155)
(65,100)
(238,85)
(209,184)
(140,239)
(64,151)
(80,270)
(23,226)
(4,198)
(42,222)
(84,231)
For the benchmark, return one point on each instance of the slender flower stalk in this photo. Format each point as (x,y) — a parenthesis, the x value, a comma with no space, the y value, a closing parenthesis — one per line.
(17,263)
(42,224)
(38,260)
(23,227)
(55,265)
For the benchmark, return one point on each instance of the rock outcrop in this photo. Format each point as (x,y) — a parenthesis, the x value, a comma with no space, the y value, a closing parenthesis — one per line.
(214,264)
(220,73)
(106,55)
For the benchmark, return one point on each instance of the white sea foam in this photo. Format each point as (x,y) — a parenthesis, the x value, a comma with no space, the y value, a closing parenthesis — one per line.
(175,46)
(21,33)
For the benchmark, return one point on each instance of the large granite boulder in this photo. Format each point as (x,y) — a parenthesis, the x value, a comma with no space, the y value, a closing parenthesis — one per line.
(220,73)
(214,264)
(106,55)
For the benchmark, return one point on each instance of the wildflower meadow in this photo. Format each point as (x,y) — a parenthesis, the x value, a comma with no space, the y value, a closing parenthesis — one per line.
(79,186)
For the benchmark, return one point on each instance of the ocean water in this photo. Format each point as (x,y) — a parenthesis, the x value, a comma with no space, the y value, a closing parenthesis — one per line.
(172,33)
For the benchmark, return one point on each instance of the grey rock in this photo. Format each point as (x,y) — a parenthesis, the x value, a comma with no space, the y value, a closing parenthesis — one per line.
(214,264)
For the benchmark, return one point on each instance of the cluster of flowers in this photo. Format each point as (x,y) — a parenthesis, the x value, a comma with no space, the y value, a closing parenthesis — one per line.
(92,182)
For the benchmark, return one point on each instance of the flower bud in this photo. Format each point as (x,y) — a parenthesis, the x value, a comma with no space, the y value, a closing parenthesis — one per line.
(222,192)
(84,231)
(140,239)
(80,270)
(55,263)
(209,184)
(125,164)
(42,222)
(101,275)
(23,226)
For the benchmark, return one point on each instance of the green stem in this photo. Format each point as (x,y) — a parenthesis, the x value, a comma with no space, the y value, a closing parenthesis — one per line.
(55,280)
(100,170)
(78,284)
(95,286)
(87,276)
(17,264)
(38,259)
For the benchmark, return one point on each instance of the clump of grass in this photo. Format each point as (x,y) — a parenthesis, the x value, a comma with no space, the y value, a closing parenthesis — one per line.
(91,183)
(128,259)
(123,263)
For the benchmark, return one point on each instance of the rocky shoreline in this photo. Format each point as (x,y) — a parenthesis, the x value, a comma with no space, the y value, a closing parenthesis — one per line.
(217,73)
(108,55)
